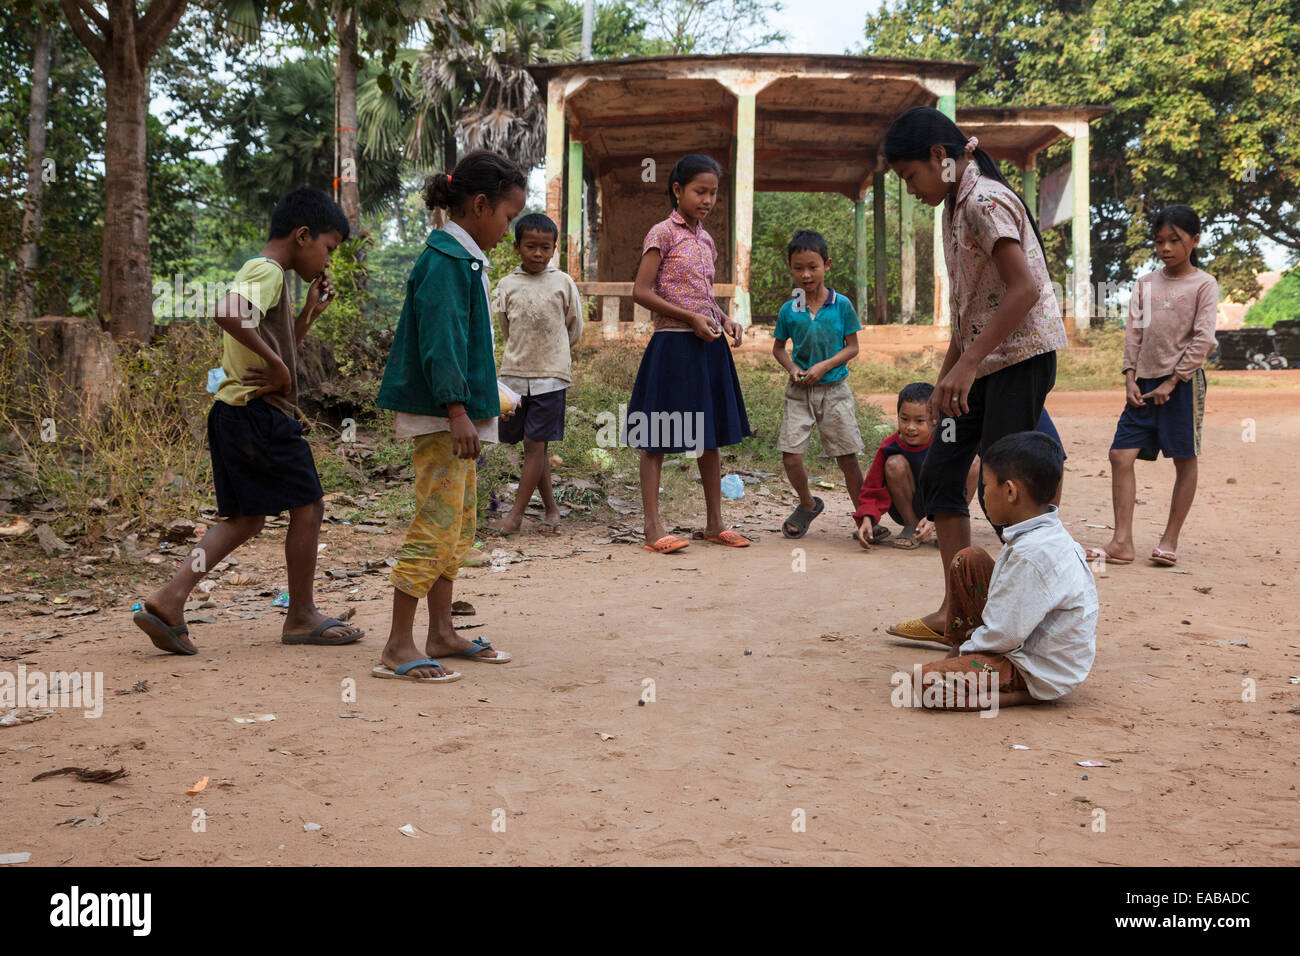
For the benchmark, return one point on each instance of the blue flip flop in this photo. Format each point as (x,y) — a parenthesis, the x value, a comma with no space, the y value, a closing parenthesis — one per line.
(479,646)
(404,672)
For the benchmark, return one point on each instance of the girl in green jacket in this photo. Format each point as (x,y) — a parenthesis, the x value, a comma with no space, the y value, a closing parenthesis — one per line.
(441,380)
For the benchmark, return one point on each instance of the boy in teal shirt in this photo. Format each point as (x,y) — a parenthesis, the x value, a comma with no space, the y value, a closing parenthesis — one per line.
(823,327)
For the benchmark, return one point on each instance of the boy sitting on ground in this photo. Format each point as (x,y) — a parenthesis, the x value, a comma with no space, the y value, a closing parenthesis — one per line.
(1027,621)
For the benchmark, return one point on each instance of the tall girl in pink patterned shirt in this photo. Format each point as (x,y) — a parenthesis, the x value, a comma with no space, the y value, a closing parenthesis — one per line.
(686,399)
(1006,323)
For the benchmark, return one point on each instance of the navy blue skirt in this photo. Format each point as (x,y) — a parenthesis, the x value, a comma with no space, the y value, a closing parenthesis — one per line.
(686,397)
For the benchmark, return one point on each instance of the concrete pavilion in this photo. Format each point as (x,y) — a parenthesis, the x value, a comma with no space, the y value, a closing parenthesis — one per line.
(777,122)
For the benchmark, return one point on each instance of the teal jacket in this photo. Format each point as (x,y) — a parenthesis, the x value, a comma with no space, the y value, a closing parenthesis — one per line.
(442,349)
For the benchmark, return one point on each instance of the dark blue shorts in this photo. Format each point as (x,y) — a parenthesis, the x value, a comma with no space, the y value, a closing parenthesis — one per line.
(539,418)
(1174,427)
(261,464)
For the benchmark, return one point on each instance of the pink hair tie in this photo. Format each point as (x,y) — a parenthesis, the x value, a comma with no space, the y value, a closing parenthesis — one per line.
(972,144)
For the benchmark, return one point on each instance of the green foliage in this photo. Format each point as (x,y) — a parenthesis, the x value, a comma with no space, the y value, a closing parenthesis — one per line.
(1204,92)
(1280,302)
(778,216)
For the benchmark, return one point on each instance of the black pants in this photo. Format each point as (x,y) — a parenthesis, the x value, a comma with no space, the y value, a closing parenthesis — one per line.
(1007,401)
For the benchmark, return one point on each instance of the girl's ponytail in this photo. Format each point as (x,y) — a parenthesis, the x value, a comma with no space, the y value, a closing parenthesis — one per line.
(480,171)
(914,131)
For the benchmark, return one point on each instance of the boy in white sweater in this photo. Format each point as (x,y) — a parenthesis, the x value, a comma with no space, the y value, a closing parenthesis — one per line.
(540,312)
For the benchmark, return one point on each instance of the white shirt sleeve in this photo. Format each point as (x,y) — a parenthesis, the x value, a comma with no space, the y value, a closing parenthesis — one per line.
(1018,601)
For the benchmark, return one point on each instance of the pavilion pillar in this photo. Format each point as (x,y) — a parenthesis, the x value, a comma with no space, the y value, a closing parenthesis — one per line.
(573,226)
(555,134)
(906,255)
(1031,184)
(860,255)
(743,209)
(947,105)
(1080,240)
(881,313)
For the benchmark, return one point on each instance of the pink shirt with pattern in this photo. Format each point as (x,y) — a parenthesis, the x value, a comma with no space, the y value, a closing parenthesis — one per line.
(685,269)
(986,211)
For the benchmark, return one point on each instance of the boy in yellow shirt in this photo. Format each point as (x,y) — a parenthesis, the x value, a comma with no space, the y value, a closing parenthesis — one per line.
(261,464)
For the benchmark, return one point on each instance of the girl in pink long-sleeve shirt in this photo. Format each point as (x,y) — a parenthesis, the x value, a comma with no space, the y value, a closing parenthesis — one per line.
(1169,335)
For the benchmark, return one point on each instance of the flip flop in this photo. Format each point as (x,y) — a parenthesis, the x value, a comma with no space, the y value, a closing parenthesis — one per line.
(1164,558)
(481,645)
(668,544)
(800,519)
(404,672)
(906,540)
(1092,554)
(317,636)
(165,637)
(730,539)
(916,630)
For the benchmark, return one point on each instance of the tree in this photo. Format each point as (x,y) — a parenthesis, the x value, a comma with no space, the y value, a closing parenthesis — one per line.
(713,26)
(122,44)
(477,75)
(1204,93)
(40,101)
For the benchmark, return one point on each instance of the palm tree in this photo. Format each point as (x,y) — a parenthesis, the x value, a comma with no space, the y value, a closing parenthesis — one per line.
(477,77)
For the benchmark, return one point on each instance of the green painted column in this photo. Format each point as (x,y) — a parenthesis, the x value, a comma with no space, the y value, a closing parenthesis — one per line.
(573,217)
(1081,242)
(906,254)
(1031,186)
(947,105)
(881,313)
(860,257)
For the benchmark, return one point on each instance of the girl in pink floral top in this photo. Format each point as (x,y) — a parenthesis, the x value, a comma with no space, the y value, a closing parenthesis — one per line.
(1006,323)
(687,395)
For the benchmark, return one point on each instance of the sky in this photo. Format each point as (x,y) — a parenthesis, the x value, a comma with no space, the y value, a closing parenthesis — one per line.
(824,26)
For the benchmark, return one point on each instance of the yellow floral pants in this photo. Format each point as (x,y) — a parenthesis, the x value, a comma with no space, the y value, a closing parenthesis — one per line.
(442,531)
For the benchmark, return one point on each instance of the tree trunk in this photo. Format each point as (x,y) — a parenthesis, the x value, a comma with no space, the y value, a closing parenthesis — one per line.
(349,189)
(125,299)
(449,156)
(35,171)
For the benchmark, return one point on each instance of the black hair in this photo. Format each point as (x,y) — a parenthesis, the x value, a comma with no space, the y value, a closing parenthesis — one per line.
(480,171)
(687,168)
(1182,217)
(914,131)
(916,392)
(806,240)
(311,208)
(535,222)
(1032,458)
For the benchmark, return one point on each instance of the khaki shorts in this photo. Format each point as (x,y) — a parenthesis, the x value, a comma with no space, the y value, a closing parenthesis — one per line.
(830,408)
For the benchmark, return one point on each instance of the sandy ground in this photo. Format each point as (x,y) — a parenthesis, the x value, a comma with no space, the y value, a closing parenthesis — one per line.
(554,750)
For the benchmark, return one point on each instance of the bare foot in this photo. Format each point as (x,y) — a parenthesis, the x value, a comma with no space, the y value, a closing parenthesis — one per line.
(400,649)
(937,622)
(553,518)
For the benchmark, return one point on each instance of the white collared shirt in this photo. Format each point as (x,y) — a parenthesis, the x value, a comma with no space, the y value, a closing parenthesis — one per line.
(407,425)
(1042,607)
